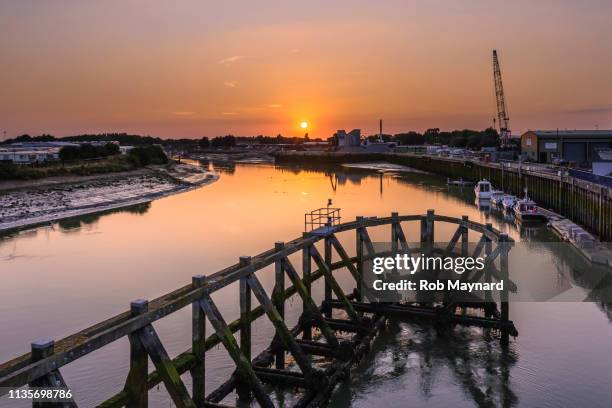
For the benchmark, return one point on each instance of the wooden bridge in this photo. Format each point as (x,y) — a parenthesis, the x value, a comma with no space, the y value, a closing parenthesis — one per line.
(340,341)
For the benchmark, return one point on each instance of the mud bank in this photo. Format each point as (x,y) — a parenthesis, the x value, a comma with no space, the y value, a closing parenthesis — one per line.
(25,208)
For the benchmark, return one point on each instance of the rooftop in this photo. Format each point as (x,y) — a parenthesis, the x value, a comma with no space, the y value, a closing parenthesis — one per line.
(573,133)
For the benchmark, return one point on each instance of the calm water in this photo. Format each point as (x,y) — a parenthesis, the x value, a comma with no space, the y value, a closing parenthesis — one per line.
(58,280)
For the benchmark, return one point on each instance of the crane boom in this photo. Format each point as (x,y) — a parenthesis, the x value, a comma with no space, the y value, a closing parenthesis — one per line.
(502,115)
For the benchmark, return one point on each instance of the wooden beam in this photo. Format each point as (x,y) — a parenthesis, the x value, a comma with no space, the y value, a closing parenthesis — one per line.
(243,365)
(172,379)
(310,305)
(335,286)
(284,334)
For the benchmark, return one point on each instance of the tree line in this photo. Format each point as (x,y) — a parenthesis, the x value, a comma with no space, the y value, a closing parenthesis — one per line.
(456,138)
(465,138)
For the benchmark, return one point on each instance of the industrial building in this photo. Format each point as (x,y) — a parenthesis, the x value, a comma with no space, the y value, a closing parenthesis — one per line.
(575,146)
(348,140)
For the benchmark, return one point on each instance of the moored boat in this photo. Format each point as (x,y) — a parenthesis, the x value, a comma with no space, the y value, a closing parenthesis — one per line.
(508,202)
(526,210)
(496,198)
(483,190)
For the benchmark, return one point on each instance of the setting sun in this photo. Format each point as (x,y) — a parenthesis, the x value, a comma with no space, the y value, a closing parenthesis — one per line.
(304,125)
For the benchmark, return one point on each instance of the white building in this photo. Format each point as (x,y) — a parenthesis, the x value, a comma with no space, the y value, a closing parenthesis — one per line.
(23,156)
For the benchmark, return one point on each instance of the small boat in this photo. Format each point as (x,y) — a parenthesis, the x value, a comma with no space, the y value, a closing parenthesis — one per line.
(526,210)
(483,190)
(508,203)
(496,198)
(459,182)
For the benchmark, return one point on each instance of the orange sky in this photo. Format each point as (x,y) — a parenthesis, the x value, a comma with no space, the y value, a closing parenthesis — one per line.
(196,68)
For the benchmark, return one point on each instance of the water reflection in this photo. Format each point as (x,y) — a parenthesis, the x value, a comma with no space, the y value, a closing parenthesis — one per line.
(73,224)
(419,359)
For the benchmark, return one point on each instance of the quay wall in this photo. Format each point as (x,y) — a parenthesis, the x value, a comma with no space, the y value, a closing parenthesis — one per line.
(583,202)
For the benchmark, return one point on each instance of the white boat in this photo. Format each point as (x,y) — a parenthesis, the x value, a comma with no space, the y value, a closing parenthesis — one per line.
(508,202)
(483,190)
(526,210)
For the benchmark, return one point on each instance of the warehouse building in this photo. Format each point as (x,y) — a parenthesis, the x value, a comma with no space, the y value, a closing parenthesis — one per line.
(576,146)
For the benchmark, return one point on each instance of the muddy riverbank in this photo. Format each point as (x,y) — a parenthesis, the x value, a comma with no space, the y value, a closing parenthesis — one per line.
(26,204)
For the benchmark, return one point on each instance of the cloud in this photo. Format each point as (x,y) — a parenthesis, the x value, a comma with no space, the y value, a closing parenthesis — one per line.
(183,113)
(294,51)
(229,113)
(275,105)
(232,84)
(230,60)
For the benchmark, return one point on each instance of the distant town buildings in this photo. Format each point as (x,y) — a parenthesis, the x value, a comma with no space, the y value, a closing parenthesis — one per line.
(349,140)
(42,152)
(352,142)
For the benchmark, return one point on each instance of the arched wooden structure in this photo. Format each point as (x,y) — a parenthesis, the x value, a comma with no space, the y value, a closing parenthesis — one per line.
(363,321)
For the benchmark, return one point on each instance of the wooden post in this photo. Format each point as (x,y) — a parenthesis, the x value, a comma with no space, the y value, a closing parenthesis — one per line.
(278,299)
(327,289)
(489,306)
(464,235)
(430,226)
(394,237)
(40,350)
(198,347)
(136,382)
(306,271)
(359,254)
(242,388)
(427,231)
(505,309)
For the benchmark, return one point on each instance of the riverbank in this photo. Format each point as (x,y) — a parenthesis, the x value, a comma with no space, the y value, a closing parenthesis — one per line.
(38,202)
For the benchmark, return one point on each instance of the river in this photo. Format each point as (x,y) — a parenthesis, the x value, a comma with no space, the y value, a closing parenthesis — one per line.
(62,278)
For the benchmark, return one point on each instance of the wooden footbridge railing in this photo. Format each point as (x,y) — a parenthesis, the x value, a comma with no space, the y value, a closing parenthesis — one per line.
(316,334)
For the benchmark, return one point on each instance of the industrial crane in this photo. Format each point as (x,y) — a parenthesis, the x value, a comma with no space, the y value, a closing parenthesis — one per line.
(502,115)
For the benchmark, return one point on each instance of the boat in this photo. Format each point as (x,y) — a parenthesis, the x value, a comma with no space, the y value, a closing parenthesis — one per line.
(526,210)
(483,190)
(508,203)
(496,198)
(459,182)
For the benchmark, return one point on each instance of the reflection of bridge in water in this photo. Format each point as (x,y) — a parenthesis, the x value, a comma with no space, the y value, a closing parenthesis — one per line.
(316,354)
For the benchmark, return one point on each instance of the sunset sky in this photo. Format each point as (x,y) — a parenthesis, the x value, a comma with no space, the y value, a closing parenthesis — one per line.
(205,68)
